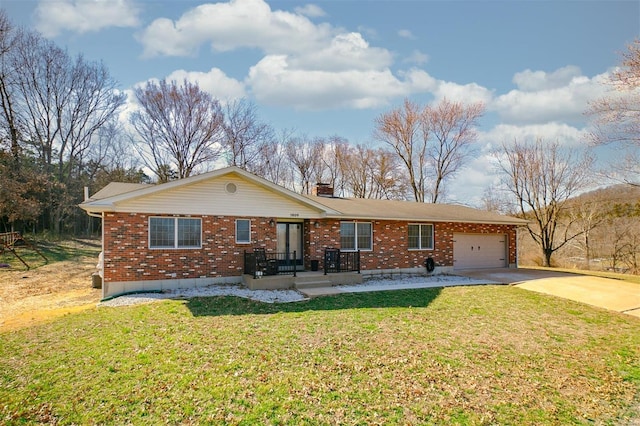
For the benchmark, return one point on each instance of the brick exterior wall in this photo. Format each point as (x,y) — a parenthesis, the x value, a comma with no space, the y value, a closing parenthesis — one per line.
(127,256)
(390,245)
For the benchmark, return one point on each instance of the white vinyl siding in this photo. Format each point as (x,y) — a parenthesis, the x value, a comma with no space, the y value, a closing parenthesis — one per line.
(243,231)
(420,236)
(175,232)
(211,197)
(356,236)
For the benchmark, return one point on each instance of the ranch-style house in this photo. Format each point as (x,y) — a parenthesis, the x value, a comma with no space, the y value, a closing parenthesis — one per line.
(230,226)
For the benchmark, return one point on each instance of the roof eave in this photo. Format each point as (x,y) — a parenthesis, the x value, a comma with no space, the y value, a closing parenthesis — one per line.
(428,219)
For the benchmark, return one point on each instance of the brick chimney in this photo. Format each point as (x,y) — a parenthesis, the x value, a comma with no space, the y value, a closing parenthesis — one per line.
(323,190)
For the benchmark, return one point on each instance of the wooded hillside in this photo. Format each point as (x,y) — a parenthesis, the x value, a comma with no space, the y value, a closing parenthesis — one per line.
(610,221)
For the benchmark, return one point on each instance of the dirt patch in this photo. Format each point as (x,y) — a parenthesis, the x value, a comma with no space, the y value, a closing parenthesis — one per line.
(48,292)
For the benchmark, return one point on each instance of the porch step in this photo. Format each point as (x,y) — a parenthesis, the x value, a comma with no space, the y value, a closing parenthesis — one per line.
(302,284)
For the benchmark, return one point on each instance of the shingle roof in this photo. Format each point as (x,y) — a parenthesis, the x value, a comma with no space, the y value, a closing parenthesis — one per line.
(342,208)
(117,188)
(362,208)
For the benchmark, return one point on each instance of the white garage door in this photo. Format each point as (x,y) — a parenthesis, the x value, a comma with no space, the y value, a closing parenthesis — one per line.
(476,251)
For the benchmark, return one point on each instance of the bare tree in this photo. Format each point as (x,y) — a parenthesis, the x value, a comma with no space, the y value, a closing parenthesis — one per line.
(623,244)
(494,199)
(541,178)
(336,148)
(586,217)
(245,135)
(273,164)
(406,132)
(432,142)
(356,163)
(110,159)
(372,173)
(617,115)
(180,127)
(63,102)
(8,118)
(53,105)
(452,128)
(306,157)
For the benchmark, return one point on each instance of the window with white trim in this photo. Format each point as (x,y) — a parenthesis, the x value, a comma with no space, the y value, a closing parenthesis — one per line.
(356,236)
(420,236)
(175,232)
(243,231)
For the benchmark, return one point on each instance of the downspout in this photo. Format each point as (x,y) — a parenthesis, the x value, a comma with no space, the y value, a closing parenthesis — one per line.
(517,244)
(104,284)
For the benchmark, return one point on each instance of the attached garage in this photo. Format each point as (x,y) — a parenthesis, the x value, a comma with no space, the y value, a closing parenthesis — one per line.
(477,251)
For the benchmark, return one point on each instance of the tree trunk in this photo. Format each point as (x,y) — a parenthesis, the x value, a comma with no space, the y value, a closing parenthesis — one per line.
(546,257)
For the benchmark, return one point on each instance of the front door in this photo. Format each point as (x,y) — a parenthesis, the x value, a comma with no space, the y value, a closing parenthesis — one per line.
(290,240)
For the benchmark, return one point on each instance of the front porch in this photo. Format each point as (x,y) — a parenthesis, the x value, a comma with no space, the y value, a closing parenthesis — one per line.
(286,269)
(302,280)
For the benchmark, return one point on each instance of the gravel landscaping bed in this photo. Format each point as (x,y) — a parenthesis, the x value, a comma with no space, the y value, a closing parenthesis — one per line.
(396,282)
(268,296)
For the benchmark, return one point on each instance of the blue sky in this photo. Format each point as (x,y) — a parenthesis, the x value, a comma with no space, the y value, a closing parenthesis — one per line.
(331,67)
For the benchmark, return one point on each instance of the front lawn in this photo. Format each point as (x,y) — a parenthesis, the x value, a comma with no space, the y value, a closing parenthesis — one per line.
(462,355)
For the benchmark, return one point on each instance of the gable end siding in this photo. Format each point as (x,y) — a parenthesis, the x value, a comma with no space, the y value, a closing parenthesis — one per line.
(211,198)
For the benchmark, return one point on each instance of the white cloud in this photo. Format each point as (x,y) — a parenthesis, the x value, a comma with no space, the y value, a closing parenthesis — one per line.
(562,95)
(214,82)
(464,93)
(53,17)
(347,51)
(310,10)
(406,34)
(273,82)
(506,134)
(318,66)
(278,80)
(305,65)
(533,81)
(232,25)
(470,183)
(420,80)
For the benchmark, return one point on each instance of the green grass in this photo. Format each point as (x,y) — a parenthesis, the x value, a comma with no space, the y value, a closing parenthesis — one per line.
(54,251)
(464,355)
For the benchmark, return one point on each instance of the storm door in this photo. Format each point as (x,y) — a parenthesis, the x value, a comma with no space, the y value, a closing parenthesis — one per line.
(289,240)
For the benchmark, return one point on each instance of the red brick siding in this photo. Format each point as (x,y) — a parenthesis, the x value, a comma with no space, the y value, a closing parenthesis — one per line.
(127,256)
(390,245)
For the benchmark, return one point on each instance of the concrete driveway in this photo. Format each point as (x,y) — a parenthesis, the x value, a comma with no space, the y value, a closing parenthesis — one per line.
(606,293)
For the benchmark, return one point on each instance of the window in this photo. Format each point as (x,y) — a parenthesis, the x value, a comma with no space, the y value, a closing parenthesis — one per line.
(243,231)
(420,237)
(174,232)
(356,236)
